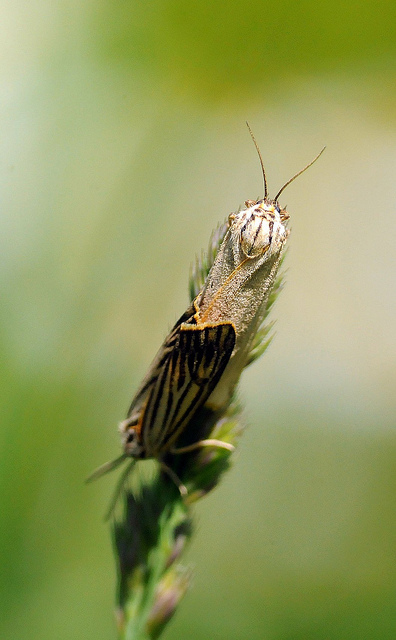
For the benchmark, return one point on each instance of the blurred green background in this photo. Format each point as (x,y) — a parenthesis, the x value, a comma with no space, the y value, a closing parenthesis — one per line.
(123,143)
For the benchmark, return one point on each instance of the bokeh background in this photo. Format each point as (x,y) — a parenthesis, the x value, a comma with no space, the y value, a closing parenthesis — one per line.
(123,143)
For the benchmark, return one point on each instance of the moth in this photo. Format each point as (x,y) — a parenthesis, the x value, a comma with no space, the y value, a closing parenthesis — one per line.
(201,360)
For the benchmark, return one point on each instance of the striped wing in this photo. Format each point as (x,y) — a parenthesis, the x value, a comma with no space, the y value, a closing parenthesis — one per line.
(193,361)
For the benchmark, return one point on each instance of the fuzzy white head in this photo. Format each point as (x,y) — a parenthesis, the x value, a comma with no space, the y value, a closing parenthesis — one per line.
(260,228)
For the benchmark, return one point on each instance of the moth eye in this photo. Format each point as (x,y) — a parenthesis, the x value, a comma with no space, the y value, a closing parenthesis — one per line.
(231,218)
(283,215)
(256,236)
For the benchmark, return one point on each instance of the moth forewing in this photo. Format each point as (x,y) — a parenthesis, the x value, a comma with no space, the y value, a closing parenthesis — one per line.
(201,360)
(182,377)
(240,281)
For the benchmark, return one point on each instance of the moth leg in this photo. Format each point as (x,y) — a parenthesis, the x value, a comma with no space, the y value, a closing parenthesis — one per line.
(175,478)
(118,490)
(106,467)
(211,442)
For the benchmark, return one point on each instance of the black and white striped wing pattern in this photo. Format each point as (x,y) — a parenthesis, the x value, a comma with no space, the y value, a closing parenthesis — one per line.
(194,358)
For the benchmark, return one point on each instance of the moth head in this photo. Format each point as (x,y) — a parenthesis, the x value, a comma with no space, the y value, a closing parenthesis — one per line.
(261,226)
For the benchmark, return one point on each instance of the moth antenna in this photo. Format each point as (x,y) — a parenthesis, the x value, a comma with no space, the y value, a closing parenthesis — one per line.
(261,160)
(298,174)
(105,468)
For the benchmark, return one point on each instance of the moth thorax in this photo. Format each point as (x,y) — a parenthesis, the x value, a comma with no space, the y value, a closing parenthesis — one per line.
(256,235)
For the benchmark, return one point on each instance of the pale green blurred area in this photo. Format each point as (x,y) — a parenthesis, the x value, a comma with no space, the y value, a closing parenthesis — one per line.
(123,143)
